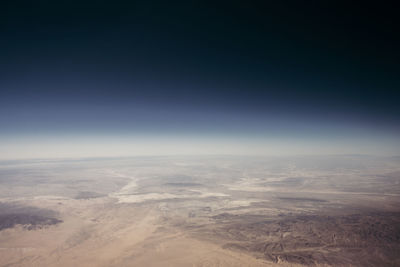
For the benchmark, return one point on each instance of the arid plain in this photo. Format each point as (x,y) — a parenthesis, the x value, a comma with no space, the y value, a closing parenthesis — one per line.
(201,211)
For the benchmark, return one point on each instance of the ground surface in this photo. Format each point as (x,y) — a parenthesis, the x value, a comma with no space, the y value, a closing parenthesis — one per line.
(204,211)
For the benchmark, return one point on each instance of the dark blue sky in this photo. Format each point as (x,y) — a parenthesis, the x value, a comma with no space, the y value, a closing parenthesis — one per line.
(226,71)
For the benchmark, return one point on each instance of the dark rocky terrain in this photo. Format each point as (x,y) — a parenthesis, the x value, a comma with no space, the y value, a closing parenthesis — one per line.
(368,239)
(30,218)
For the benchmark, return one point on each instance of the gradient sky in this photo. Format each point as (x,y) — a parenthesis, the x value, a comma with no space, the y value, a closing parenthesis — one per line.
(109,78)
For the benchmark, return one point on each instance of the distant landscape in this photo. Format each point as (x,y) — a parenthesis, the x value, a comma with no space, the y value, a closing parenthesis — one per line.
(201,211)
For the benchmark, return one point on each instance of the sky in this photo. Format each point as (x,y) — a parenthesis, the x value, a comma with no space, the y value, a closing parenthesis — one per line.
(113,78)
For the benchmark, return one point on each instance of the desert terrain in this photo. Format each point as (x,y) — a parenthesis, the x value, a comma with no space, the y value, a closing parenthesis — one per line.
(201,211)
